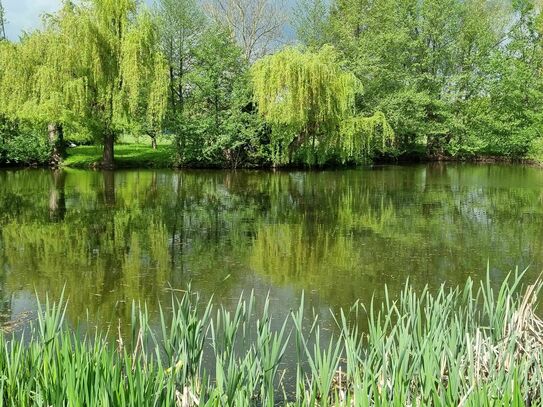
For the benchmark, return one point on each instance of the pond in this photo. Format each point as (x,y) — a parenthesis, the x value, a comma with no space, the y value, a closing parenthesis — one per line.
(110,238)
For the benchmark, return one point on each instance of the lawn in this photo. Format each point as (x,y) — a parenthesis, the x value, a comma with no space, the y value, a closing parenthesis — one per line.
(126,156)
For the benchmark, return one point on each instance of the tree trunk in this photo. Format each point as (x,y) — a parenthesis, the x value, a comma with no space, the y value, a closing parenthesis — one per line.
(57,197)
(56,142)
(108,159)
(109,188)
(295,145)
(153,142)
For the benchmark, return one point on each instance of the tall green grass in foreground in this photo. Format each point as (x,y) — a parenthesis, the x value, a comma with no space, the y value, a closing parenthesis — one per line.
(471,346)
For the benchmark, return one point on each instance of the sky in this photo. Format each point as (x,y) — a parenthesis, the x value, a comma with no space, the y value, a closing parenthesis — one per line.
(26,14)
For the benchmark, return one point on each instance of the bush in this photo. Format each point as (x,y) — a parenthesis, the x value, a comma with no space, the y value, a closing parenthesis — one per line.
(22,144)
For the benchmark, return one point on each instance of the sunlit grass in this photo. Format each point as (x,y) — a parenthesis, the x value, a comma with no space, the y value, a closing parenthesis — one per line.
(126,156)
(469,346)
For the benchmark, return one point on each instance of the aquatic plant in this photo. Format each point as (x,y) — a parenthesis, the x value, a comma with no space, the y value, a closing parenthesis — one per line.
(470,346)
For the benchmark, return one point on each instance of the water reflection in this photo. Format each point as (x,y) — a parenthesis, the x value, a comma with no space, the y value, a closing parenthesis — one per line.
(109,238)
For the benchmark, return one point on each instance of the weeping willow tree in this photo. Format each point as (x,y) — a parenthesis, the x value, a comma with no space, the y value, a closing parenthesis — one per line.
(107,23)
(145,79)
(94,65)
(41,82)
(363,137)
(127,74)
(306,97)
(9,58)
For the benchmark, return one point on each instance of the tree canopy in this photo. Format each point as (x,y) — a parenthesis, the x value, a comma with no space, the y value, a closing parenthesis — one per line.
(94,65)
(361,80)
(307,97)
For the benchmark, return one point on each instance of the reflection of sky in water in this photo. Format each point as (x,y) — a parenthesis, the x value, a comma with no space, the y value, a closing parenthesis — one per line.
(114,238)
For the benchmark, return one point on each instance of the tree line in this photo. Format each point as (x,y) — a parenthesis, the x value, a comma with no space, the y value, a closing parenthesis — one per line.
(227,84)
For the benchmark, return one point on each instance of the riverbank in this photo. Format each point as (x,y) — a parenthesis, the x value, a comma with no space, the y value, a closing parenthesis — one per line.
(143,156)
(469,346)
(136,155)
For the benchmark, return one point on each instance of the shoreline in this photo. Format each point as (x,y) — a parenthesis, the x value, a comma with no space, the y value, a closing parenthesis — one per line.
(142,156)
(149,164)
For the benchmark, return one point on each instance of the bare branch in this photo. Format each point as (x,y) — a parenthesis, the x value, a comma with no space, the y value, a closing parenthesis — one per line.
(2,22)
(257,25)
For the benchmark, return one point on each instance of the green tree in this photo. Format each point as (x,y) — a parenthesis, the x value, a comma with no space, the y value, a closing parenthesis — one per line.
(310,20)
(181,24)
(95,65)
(420,63)
(41,82)
(508,119)
(118,58)
(145,79)
(308,99)
(224,129)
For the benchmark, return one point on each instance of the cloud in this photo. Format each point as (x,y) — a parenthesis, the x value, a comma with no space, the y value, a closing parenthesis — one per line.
(25,15)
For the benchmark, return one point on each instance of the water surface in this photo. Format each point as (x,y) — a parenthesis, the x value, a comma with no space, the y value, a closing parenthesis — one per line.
(109,238)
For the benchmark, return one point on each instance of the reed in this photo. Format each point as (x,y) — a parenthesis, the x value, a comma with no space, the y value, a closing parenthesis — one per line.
(467,346)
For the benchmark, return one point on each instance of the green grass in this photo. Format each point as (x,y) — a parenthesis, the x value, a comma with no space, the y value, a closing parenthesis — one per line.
(469,346)
(126,156)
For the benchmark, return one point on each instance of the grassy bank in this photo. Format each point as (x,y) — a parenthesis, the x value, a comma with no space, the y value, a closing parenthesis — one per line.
(472,346)
(135,155)
(126,156)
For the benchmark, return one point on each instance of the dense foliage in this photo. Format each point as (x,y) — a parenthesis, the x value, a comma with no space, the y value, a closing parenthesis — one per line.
(458,77)
(366,79)
(308,100)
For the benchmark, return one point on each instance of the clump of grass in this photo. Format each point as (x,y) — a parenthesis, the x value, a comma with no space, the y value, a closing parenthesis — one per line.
(470,346)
